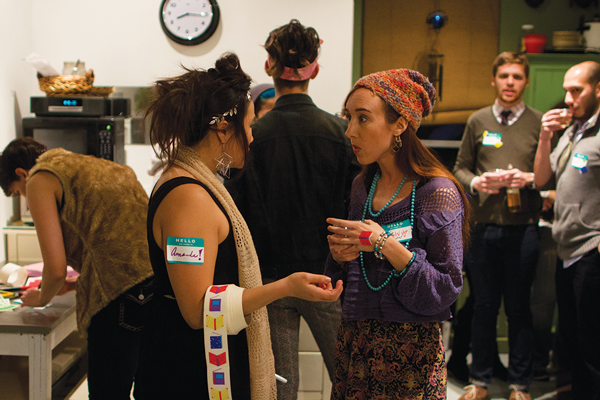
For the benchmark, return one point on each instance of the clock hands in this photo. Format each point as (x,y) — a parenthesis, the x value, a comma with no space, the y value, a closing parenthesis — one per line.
(202,14)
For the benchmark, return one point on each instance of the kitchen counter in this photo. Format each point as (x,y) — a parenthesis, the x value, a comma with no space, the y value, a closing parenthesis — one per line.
(34,333)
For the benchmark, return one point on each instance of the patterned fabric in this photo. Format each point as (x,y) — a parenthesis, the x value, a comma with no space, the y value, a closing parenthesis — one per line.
(379,360)
(102,221)
(407,91)
(515,112)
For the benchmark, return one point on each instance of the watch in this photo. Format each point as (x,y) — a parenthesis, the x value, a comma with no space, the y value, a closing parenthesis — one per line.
(189,22)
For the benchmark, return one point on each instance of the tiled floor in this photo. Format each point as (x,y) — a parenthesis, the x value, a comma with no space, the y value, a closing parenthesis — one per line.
(498,390)
(15,373)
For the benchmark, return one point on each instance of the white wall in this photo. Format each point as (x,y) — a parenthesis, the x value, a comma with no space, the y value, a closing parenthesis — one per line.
(16,82)
(122,41)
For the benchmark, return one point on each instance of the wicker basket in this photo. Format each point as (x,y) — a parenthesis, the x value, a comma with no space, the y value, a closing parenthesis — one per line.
(64,85)
(100,91)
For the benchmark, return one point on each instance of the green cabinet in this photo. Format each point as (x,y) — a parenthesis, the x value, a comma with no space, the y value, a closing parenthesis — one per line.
(546,75)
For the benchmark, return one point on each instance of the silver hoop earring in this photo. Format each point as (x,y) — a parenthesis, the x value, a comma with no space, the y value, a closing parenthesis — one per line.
(223,161)
(397,144)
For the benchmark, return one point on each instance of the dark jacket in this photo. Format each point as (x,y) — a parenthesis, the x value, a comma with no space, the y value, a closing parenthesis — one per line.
(299,173)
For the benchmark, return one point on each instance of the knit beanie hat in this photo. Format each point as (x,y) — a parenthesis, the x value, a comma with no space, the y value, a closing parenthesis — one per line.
(408,92)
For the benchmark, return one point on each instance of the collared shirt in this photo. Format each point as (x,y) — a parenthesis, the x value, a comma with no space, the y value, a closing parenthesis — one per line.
(580,128)
(515,112)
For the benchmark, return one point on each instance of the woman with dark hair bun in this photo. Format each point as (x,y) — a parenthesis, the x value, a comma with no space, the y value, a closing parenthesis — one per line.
(400,252)
(206,270)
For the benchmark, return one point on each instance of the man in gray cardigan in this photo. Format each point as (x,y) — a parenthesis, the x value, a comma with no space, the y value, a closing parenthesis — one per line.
(574,165)
(505,242)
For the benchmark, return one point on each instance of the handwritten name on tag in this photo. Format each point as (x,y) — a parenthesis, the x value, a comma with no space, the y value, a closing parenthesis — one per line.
(401,230)
(182,250)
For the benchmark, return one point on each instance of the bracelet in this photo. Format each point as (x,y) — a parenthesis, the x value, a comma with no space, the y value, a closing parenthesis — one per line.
(400,274)
(412,259)
(379,250)
(376,245)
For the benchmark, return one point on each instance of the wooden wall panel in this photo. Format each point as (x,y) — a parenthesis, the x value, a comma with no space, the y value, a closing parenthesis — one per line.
(396,35)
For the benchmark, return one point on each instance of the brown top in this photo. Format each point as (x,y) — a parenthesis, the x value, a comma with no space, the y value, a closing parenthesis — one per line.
(477,155)
(103,221)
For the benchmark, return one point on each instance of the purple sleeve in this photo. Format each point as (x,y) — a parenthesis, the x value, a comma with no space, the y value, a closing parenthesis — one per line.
(334,270)
(434,280)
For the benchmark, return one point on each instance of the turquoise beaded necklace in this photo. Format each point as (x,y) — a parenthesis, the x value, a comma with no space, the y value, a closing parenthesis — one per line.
(369,206)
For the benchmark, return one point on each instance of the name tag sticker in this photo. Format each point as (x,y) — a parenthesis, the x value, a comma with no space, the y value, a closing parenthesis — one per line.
(580,161)
(181,250)
(492,139)
(400,230)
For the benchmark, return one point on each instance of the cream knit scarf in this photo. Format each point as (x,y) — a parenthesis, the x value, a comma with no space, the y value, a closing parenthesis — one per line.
(262,365)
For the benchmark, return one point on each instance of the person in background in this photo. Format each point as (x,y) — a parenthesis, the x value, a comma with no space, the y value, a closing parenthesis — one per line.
(300,173)
(88,213)
(495,158)
(206,269)
(400,253)
(263,96)
(543,289)
(574,166)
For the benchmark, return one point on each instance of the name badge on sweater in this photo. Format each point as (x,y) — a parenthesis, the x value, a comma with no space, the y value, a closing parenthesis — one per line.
(401,230)
(580,161)
(492,139)
(181,250)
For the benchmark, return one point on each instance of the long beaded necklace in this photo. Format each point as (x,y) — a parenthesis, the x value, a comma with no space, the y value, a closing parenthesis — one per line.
(369,206)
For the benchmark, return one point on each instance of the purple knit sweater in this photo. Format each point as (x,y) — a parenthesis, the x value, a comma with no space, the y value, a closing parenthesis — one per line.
(434,280)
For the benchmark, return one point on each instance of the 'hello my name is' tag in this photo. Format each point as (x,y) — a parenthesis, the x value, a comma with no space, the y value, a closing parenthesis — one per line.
(400,230)
(181,250)
(579,161)
(492,139)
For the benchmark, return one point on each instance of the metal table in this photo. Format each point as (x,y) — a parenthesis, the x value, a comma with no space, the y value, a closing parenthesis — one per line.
(34,333)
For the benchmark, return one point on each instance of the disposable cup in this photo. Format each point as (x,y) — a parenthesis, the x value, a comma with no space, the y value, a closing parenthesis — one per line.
(13,274)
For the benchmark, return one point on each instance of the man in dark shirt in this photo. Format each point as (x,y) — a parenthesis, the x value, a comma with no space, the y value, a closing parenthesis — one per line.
(300,173)
(498,146)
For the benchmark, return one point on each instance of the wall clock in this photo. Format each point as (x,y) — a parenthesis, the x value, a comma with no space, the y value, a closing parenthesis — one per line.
(189,22)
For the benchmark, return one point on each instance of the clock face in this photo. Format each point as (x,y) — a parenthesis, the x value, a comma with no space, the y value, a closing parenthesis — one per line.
(189,22)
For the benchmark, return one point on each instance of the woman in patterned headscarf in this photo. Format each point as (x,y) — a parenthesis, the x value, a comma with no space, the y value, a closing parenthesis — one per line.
(400,253)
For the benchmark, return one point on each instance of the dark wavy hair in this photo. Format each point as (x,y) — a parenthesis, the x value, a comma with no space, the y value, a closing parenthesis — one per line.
(183,106)
(20,153)
(294,46)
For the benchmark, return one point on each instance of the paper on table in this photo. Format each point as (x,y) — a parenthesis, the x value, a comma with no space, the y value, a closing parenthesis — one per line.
(41,65)
(36,270)
(6,306)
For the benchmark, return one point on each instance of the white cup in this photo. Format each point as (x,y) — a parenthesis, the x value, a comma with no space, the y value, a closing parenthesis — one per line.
(13,274)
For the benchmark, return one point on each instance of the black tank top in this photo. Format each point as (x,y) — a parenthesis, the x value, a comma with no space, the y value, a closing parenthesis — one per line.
(226,271)
(172,361)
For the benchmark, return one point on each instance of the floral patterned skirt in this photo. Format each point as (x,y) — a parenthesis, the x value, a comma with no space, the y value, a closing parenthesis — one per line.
(377,360)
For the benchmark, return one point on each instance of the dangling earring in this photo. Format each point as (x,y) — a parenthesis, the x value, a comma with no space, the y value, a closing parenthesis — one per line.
(397,144)
(223,161)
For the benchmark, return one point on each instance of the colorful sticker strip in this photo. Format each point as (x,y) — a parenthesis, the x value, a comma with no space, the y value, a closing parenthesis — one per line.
(215,343)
